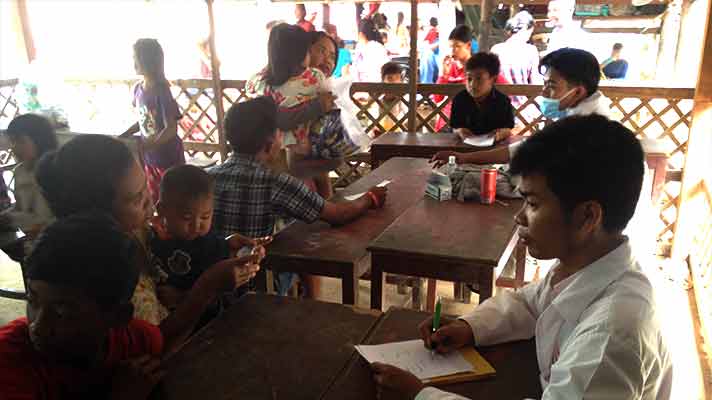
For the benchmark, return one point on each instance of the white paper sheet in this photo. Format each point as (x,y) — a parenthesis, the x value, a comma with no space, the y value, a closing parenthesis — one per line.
(357,195)
(412,356)
(480,140)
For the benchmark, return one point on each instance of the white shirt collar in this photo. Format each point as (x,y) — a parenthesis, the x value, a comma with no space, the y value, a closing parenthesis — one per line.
(592,280)
(596,103)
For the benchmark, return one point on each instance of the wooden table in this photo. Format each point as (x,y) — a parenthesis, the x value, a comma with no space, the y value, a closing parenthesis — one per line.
(450,240)
(340,252)
(268,347)
(517,374)
(421,145)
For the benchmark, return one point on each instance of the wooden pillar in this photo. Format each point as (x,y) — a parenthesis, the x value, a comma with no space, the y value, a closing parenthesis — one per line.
(326,12)
(485,25)
(217,83)
(413,78)
(669,38)
(27,38)
(698,164)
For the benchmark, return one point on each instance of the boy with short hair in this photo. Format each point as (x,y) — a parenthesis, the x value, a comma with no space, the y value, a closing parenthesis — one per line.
(249,197)
(571,78)
(593,316)
(79,339)
(460,42)
(391,72)
(481,109)
(183,244)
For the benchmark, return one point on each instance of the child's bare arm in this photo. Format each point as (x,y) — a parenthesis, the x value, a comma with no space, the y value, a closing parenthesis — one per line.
(338,213)
(291,118)
(463,133)
(130,131)
(499,155)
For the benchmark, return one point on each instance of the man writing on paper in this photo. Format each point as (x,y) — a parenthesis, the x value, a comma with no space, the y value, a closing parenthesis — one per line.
(593,315)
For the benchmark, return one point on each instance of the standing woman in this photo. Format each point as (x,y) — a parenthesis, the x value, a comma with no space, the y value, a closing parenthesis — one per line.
(158,115)
(519,58)
(371,54)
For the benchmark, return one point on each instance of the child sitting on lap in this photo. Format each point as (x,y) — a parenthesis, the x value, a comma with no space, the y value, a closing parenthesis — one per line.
(481,109)
(79,339)
(183,245)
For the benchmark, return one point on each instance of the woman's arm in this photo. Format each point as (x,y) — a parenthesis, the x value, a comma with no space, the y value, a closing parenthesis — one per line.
(130,131)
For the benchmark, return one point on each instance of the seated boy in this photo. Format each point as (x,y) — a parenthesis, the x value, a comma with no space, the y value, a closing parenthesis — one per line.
(79,340)
(249,197)
(392,108)
(571,78)
(481,109)
(182,243)
(593,315)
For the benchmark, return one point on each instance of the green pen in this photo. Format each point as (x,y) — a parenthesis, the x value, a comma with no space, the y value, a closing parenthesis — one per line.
(436,323)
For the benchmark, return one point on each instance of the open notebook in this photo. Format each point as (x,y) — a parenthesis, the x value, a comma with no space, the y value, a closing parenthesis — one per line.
(461,366)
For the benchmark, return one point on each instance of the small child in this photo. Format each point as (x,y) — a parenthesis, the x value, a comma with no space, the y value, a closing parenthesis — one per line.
(183,244)
(30,136)
(158,115)
(481,109)
(392,106)
(79,339)
(291,83)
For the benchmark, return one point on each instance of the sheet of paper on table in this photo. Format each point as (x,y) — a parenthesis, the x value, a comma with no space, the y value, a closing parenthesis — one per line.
(480,140)
(412,356)
(357,195)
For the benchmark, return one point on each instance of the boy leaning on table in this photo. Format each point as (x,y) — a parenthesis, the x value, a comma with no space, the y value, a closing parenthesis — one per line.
(571,78)
(593,315)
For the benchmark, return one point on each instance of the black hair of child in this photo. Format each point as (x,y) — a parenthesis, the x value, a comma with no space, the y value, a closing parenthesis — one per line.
(484,60)
(251,124)
(578,67)
(88,252)
(587,158)
(433,22)
(287,48)
(391,68)
(83,174)
(368,28)
(461,33)
(36,128)
(186,182)
(149,55)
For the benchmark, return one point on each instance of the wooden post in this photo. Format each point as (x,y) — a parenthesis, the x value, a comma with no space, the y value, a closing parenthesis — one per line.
(669,38)
(326,11)
(698,166)
(485,25)
(217,83)
(413,78)
(27,38)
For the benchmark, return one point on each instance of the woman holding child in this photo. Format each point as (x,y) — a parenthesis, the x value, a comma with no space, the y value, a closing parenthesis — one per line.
(95,172)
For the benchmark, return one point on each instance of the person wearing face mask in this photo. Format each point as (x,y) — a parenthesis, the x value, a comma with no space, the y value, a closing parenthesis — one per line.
(571,78)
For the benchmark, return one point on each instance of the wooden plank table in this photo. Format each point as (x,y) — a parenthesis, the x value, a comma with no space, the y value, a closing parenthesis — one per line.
(268,347)
(517,374)
(450,241)
(421,145)
(340,251)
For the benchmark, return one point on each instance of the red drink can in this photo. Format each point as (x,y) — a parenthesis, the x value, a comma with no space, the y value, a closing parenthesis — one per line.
(488,185)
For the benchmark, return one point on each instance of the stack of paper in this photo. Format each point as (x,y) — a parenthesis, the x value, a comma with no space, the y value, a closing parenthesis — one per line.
(480,140)
(412,356)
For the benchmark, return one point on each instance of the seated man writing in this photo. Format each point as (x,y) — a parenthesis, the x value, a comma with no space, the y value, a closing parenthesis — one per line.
(571,78)
(593,315)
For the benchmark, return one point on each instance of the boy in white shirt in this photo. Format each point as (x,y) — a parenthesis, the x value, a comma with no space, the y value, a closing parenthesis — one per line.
(593,315)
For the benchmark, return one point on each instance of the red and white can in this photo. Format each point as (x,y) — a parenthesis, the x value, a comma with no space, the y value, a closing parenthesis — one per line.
(488,185)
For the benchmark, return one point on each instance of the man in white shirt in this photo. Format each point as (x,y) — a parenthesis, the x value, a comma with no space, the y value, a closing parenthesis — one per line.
(566,32)
(593,315)
(571,78)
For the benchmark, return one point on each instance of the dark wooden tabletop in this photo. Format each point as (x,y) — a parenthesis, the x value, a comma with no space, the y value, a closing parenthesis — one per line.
(451,230)
(347,244)
(517,374)
(268,347)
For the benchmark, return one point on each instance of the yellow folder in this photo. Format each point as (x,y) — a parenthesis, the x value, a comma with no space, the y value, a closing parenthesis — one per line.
(481,369)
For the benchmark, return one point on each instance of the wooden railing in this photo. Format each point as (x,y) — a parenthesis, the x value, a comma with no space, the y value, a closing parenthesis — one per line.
(657,113)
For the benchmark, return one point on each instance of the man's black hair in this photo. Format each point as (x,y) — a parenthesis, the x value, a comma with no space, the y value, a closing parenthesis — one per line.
(589,158)
(83,174)
(433,22)
(483,60)
(461,33)
(391,68)
(88,252)
(250,124)
(37,129)
(186,182)
(578,67)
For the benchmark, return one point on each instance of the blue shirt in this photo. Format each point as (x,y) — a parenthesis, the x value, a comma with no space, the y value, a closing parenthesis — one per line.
(343,60)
